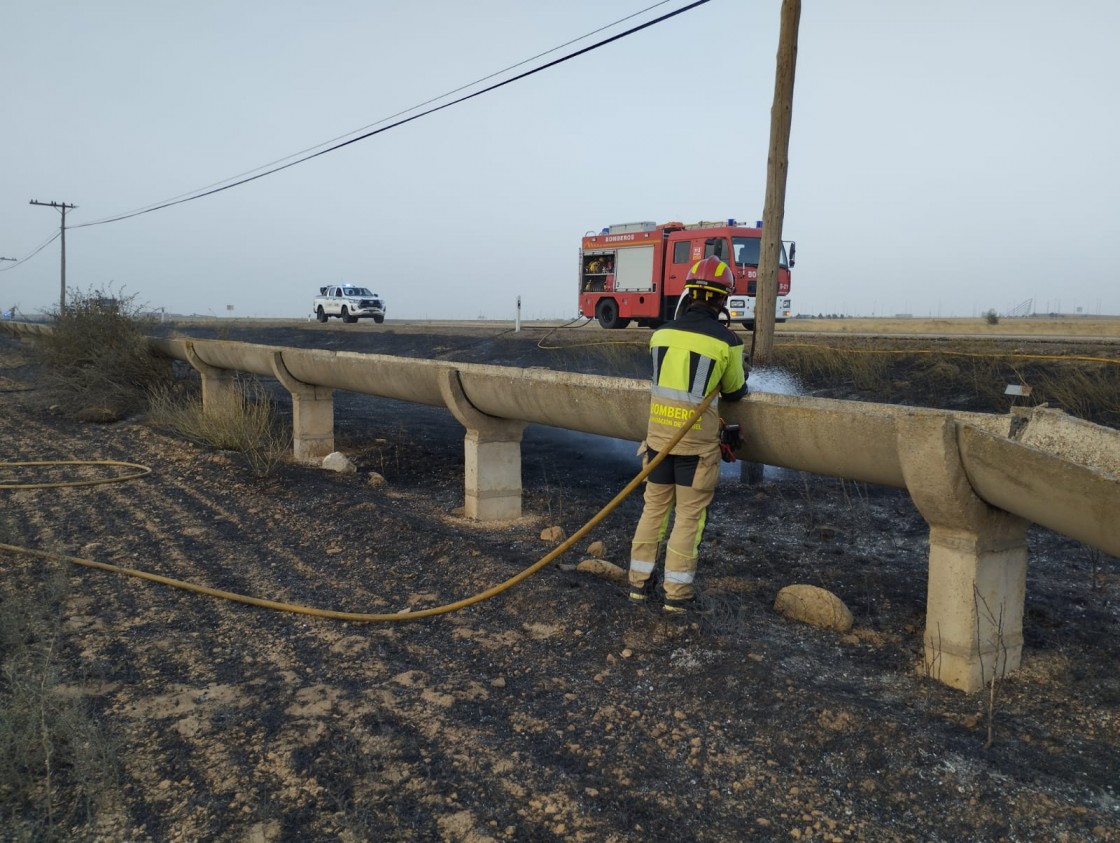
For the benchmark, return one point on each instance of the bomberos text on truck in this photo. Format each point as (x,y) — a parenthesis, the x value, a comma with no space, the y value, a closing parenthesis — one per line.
(636,271)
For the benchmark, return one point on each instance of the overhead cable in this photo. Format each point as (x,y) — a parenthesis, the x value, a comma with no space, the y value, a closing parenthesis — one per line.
(153,205)
(42,246)
(366,135)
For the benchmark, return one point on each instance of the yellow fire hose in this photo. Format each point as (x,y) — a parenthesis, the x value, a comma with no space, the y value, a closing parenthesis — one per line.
(140,471)
(358,617)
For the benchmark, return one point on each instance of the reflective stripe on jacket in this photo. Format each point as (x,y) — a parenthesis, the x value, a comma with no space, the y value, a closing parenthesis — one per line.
(691,357)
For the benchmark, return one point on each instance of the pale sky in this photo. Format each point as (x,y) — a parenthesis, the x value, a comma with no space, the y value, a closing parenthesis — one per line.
(946,157)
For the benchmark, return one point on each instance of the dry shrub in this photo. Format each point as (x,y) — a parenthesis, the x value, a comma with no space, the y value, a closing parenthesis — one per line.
(96,362)
(245,420)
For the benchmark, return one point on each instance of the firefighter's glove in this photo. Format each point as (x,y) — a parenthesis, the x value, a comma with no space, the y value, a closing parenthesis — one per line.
(730,441)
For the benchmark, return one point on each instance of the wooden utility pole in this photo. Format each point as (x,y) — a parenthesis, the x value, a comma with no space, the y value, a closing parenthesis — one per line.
(63,207)
(777,164)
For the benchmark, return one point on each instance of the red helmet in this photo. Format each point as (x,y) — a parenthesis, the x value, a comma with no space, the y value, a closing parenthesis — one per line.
(709,277)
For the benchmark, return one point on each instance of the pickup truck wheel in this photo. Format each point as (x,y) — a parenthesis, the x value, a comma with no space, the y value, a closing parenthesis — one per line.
(378,319)
(607,314)
(320,315)
(346,317)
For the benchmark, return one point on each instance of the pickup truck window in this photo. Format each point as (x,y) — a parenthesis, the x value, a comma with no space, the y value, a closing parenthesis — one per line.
(356,291)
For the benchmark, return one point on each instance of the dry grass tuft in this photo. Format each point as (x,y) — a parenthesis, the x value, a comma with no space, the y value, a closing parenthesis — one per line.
(246,421)
(820,364)
(1088,392)
(58,768)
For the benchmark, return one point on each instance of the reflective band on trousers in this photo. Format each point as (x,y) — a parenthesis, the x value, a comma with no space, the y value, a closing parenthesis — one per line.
(683,577)
(641,567)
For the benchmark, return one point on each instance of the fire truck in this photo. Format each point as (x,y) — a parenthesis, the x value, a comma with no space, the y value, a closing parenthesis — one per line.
(636,271)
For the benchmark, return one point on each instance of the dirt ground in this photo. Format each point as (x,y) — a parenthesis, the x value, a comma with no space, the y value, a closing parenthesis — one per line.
(555,711)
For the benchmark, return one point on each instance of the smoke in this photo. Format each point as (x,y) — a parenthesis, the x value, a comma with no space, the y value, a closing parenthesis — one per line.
(778,382)
(607,452)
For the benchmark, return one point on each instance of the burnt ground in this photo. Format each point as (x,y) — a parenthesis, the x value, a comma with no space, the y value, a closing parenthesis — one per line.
(555,711)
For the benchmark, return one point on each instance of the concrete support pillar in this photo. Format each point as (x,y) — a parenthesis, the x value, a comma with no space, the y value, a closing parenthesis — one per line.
(218,385)
(492,473)
(977,561)
(750,473)
(312,414)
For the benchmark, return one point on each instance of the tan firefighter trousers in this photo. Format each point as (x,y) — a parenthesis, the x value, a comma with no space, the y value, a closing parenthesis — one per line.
(690,488)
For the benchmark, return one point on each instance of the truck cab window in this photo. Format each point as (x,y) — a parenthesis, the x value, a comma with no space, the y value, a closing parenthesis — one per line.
(681,251)
(715,246)
(747,250)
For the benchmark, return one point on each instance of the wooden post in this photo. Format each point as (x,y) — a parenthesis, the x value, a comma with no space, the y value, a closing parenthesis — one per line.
(774,210)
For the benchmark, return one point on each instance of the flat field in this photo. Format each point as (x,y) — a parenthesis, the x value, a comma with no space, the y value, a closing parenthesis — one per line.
(1104,327)
(555,711)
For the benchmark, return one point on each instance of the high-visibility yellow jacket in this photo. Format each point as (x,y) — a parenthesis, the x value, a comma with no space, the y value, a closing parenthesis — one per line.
(691,357)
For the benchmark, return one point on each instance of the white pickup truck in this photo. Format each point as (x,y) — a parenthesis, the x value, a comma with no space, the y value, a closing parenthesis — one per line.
(348,302)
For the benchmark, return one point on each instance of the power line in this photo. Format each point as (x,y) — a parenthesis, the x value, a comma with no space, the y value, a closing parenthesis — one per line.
(153,206)
(240,181)
(38,249)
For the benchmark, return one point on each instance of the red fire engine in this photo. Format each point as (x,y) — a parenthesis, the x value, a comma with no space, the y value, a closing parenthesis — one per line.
(635,271)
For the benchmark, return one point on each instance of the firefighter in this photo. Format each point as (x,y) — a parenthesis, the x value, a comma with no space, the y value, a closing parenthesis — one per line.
(692,355)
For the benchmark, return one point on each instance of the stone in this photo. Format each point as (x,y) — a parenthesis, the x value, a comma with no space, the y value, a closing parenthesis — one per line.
(553,534)
(375,479)
(604,569)
(338,461)
(815,606)
(597,550)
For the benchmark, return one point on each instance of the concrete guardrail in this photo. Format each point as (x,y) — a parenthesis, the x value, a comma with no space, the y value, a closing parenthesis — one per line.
(978,479)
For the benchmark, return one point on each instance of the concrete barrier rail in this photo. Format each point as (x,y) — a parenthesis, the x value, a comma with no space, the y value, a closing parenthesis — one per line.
(978,479)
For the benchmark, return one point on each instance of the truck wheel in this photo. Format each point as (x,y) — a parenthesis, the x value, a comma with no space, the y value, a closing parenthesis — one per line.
(320,315)
(607,314)
(748,324)
(346,317)
(378,319)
